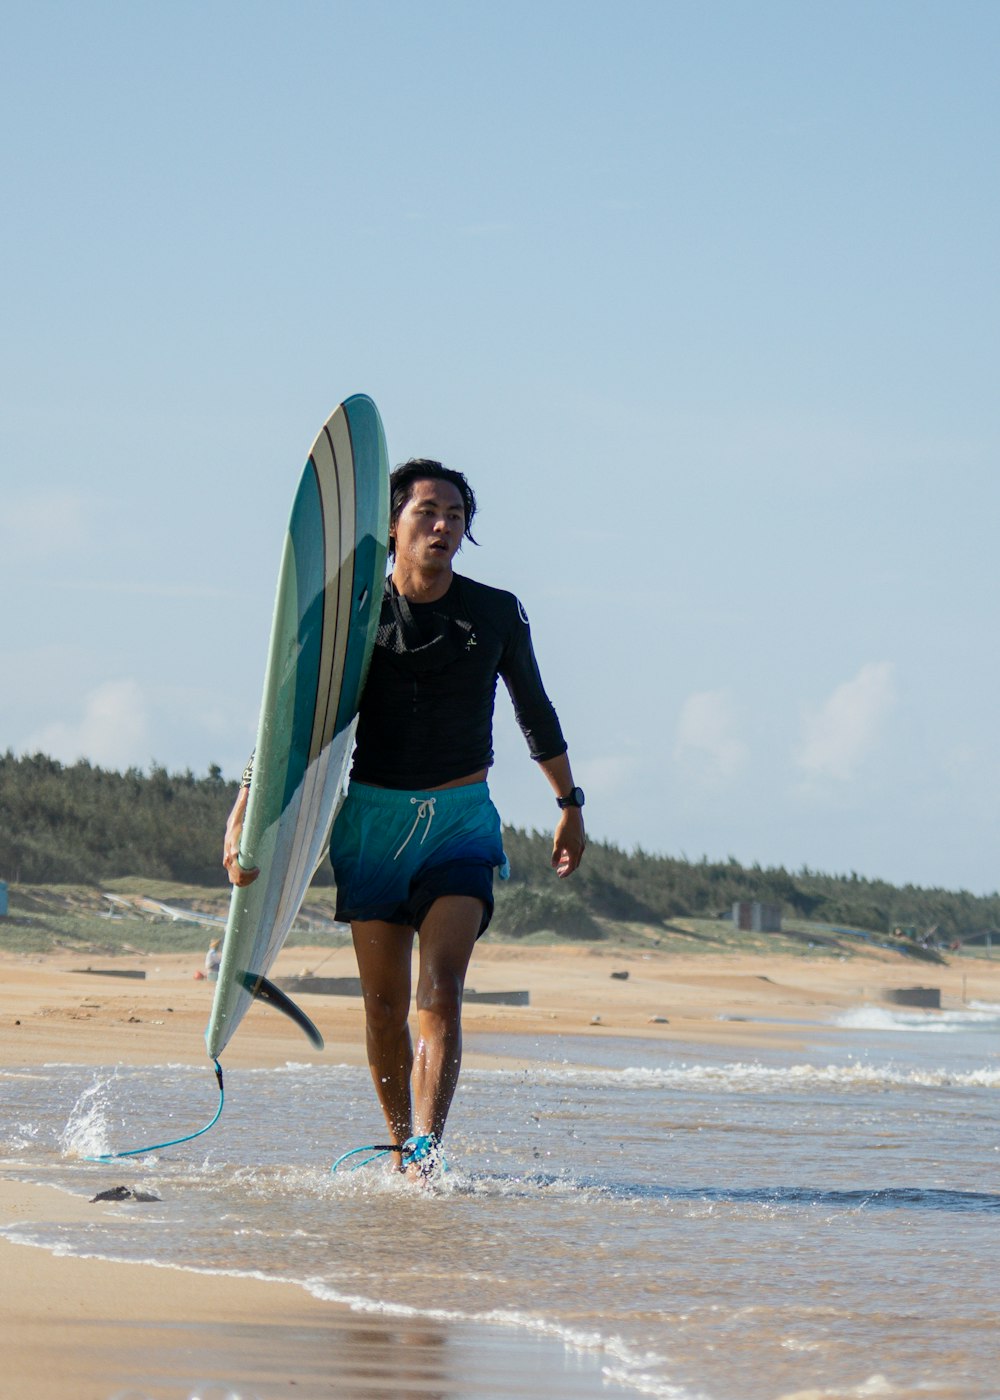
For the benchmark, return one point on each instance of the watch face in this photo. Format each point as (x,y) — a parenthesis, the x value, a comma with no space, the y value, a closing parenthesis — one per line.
(574,798)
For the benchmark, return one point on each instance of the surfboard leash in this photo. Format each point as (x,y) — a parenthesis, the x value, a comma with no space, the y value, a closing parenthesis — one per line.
(377,1149)
(174,1142)
(424,1147)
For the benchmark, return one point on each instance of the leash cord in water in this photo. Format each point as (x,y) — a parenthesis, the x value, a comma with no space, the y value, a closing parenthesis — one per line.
(174,1142)
(377,1149)
(423,1147)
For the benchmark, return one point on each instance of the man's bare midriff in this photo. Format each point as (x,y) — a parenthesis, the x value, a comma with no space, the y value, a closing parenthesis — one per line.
(479,777)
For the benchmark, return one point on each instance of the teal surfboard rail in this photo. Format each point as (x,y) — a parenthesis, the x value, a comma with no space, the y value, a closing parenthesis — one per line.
(326,613)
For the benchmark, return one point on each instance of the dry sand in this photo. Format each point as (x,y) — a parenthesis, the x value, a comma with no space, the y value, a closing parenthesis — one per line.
(88,1328)
(52,1010)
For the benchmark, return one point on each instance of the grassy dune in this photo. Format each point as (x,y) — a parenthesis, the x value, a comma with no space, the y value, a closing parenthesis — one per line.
(50,918)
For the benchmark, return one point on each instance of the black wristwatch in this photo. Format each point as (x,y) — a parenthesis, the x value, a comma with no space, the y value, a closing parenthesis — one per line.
(574,798)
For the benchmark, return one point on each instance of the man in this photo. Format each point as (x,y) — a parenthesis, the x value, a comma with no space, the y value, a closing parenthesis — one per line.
(417,839)
(213,960)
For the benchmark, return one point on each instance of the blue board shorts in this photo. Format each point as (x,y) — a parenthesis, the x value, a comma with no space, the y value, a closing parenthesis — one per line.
(395,852)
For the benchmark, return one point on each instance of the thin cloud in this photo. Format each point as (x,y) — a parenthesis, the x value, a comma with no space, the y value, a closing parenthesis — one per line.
(843,732)
(606,775)
(706,738)
(112,731)
(151,590)
(42,523)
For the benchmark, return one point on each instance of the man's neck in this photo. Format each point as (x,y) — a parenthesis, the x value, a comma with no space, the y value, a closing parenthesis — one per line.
(419,587)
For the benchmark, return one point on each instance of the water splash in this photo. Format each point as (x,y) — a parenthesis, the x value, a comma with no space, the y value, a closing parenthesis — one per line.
(86,1133)
(879,1018)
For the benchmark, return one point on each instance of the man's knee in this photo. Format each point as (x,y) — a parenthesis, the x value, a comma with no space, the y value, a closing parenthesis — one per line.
(386,1014)
(440,994)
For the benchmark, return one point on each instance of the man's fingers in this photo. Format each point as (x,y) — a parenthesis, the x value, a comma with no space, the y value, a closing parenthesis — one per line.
(566,859)
(237,874)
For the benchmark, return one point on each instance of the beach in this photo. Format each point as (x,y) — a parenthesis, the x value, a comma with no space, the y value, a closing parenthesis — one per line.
(59,1006)
(170,1326)
(94,1329)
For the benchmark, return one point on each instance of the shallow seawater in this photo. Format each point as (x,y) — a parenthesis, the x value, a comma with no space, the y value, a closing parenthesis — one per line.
(823,1223)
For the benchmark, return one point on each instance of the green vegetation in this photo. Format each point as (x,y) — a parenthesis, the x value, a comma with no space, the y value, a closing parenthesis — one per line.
(126,916)
(160,834)
(639,888)
(78,824)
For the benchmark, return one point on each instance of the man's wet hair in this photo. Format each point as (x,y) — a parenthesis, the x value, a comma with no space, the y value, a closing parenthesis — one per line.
(402,481)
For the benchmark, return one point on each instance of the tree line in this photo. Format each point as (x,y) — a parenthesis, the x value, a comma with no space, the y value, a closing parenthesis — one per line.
(82,824)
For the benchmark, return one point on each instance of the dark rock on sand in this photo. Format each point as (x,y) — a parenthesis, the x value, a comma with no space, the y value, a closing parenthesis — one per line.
(123,1193)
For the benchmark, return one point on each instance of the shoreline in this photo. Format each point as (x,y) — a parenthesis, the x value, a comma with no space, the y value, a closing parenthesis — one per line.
(95,1328)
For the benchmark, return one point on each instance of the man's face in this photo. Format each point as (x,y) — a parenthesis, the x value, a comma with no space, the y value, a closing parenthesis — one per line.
(430,526)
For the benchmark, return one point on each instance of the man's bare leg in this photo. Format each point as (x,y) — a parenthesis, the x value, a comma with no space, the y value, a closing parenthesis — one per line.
(384,952)
(447,937)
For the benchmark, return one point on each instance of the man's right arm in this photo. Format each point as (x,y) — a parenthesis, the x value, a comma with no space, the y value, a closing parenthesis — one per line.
(231,848)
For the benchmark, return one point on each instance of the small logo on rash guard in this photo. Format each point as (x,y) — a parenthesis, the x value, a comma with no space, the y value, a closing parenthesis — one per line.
(524,615)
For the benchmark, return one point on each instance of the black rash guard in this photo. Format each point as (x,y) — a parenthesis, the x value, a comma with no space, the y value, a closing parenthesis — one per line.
(427,710)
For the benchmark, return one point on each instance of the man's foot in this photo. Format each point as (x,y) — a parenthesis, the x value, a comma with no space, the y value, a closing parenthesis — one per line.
(421,1157)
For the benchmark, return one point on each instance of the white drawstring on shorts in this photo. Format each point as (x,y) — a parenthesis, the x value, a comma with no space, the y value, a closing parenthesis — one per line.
(425,808)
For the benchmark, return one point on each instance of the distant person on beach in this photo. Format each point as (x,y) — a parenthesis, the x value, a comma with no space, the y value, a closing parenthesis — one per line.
(418,838)
(213,960)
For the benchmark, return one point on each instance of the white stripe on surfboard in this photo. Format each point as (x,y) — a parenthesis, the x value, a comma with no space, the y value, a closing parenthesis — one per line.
(333,462)
(306,834)
(339,434)
(334,465)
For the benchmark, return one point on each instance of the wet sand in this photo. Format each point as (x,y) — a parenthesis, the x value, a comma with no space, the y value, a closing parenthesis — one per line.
(96,1330)
(90,1328)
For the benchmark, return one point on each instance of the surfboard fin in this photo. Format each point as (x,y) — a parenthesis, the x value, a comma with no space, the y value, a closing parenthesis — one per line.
(265,990)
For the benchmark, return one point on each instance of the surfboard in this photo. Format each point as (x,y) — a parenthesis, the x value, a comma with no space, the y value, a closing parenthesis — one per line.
(326,612)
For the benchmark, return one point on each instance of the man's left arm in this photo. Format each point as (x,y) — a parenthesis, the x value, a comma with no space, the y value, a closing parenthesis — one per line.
(570,839)
(540,725)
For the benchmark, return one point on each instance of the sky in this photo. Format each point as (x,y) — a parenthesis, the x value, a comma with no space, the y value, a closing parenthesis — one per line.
(701,296)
